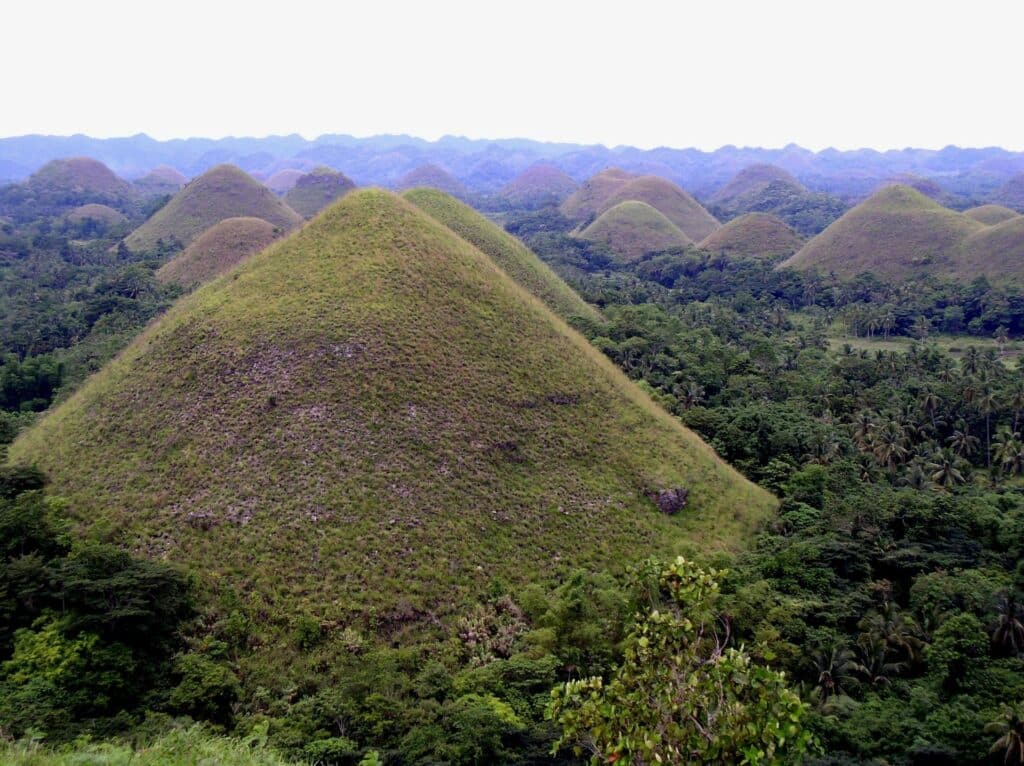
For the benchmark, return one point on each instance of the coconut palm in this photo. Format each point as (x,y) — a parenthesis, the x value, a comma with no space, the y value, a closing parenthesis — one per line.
(962,442)
(837,671)
(1010,728)
(864,425)
(1008,634)
(1006,448)
(890,445)
(945,471)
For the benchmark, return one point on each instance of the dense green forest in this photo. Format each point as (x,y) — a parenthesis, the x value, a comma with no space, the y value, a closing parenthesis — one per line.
(877,620)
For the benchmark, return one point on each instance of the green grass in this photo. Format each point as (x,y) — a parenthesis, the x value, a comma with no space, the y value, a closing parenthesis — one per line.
(220,193)
(754,235)
(538,184)
(99,213)
(633,229)
(587,202)
(81,175)
(217,249)
(316,190)
(370,419)
(669,200)
(955,345)
(506,251)
(990,214)
(434,177)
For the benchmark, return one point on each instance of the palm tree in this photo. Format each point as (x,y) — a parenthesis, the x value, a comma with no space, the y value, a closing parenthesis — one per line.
(930,403)
(1010,728)
(970,361)
(962,442)
(874,659)
(690,395)
(899,631)
(1008,635)
(1017,402)
(837,670)
(916,476)
(890,445)
(864,429)
(1006,448)
(945,472)
(987,405)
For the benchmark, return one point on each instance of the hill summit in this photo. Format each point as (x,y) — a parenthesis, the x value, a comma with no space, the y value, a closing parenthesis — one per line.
(317,189)
(671,201)
(538,185)
(77,181)
(218,249)
(588,202)
(221,192)
(632,229)
(753,235)
(749,184)
(433,177)
(371,414)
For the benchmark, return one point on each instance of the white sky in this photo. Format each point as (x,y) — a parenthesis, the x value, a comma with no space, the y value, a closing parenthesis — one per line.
(844,73)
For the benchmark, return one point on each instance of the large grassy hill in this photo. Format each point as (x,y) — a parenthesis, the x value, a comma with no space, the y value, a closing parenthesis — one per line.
(990,214)
(100,214)
(588,202)
(750,183)
(508,252)
(222,192)
(371,415)
(539,184)
(632,229)
(668,199)
(283,180)
(316,190)
(218,249)
(160,181)
(899,233)
(69,183)
(753,234)
(1011,194)
(434,177)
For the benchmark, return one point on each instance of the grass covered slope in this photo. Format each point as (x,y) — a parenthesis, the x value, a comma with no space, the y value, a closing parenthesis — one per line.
(896,233)
(434,177)
(751,182)
(754,234)
(633,229)
(990,214)
(79,180)
(316,190)
(1011,194)
(671,201)
(996,251)
(283,180)
(509,253)
(101,214)
(372,413)
(221,192)
(160,181)
(218,249)
(539,184)
(588,201)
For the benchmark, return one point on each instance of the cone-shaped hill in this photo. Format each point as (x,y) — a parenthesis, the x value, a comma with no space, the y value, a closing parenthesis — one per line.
(217,249)
(160,181)
(633,229)
(899,233)
(370,413)
(316,190)
(283,180)
(1011,194)
(101,215)
(539,185)
(508,252)
(221,192)
(671,201)
(750,184)
(754,235)
(588,201)
(76,181)
(990,214)
(434,177)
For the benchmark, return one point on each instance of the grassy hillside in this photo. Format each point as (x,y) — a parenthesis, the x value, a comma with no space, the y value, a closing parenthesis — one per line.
(101,214)
(671,201)
(316,190)
(925,186)
(990,214)
(160,181)
(220,193)
(588,201)
(218,249)
(1011,194)
(505,250)
(996,251)
(434,177)
(539,184)
(751,182)
(632,229)
(283,180)
(754,234)
(77,181)
(370,413)
(896,233)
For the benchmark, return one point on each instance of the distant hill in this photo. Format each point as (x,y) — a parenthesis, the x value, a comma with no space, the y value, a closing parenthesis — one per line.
(588,201)
(750,183)
(220,193)
(316,190)
(632,229)
(433,177)
(505,250)
(217,249)
(538,185)
(160,181)
(1011,194)
(991,214)
(64,184)
(101,214)
(753,235)
(671,201)
(283,180)
(372,419)
(899,233)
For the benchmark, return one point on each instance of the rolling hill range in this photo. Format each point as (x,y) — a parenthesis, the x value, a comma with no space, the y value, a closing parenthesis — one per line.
(316,190)
(220,193)
(990,214)
(539,185)
(899,233)
(505,250)
(371,414)
(434,177)
(668,199)
(160,181)
(753,235)
(632,229)
(217,249)
(61,185)
(1011,194)
(744,190)
(588,202)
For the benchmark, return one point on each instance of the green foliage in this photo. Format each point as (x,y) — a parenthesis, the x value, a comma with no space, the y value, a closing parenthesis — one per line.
(680,694)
